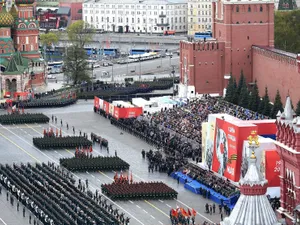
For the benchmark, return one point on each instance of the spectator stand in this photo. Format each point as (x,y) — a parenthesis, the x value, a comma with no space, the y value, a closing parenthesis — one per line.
(193,185)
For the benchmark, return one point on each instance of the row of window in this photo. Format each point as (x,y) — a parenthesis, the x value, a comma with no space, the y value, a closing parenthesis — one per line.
(138,20)
(136,12)
(121,6)
(204,6)
(203,26)
(109,27)
(237,9)
(207,13)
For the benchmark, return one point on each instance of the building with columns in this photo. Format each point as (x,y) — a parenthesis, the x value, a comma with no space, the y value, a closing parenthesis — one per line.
(288,147)
(243,40)
(20,59)
(141,16)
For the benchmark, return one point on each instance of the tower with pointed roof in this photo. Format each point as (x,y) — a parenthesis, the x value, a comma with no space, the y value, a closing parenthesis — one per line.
(20,59)
(253,206)
(288,147)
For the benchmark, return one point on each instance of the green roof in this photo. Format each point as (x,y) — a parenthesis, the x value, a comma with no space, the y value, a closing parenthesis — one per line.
(45,4)
(17,64)
(4,62)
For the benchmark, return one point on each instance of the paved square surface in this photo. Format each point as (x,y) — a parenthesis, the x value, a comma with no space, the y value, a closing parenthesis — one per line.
(16,146)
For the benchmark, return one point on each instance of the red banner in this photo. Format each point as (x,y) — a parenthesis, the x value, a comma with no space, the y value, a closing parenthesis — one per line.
(106,106)
(96,102)
(228,147)
(116,112)
(273,165)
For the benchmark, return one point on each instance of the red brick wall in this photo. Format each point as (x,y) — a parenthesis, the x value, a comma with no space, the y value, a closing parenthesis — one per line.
(276,74)
(240,30)
(75,6)
(205,63)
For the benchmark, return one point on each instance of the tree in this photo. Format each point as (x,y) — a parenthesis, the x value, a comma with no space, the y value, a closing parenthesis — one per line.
(277,105)
(266,104)
(79,33)
(235,94)
(242,82)
(244,97)
(49,39)
(287,30)
(76,65)
(298,108)
(254,99)
(230,92)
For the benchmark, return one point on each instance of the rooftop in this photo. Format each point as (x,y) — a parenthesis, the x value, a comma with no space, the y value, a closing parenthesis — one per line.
(277,51)
(253,207)
(141,2)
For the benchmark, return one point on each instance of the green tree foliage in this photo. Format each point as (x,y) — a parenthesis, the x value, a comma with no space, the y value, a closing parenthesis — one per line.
(244,97)
(277,105)
(235,95)
(254,99)
(287,30)
(76,65)
(266,110)
(49,39)
(298,108)
(242,83)
(79,33)
(75,60)
(230,92)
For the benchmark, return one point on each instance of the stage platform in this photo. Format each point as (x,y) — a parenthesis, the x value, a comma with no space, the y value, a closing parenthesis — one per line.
(195,186)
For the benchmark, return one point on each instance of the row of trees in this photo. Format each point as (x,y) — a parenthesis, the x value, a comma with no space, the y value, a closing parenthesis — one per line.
(287,30)
(240,94)
(76,66)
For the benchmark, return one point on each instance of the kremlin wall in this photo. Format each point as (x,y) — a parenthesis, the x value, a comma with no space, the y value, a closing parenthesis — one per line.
(243,40)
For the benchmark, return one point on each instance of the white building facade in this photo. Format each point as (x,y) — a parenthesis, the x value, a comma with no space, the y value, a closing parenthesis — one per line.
(148,16)
(199,16)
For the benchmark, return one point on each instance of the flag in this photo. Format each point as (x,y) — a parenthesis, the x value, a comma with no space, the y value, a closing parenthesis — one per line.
(115,176)
(194,212)
(183,212)
(174,213)
(91,149)
(189,212)
(131,177)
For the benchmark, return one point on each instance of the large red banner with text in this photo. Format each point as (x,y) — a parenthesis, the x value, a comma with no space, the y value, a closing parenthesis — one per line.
(96,102)
(106,106)
(228,147)
(118,113)
(272,170)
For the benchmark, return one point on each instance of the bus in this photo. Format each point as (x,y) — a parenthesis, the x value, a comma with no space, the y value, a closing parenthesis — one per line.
(90,51)
(139,51)
(202,35)
(143,57)
(55,63)
(113,52)
(169,32)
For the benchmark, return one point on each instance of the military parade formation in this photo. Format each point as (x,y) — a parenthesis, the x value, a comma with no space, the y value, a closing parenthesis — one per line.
(16,117)
(124,191)
(58,142)
(49,192)
(48,103)
(86,162)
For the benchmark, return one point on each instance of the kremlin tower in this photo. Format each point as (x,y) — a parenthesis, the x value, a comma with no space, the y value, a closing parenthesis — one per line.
(20,60)
(253,206)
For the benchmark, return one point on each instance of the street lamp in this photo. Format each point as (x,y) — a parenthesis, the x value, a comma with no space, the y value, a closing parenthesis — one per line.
(112,73)
(173,73)
(140,77)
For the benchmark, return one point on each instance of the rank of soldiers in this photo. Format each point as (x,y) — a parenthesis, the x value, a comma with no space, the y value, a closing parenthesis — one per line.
(137,191)
(97,138)
(52,142)
(94,163)
(47,103)
(49,193)
(18,118)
